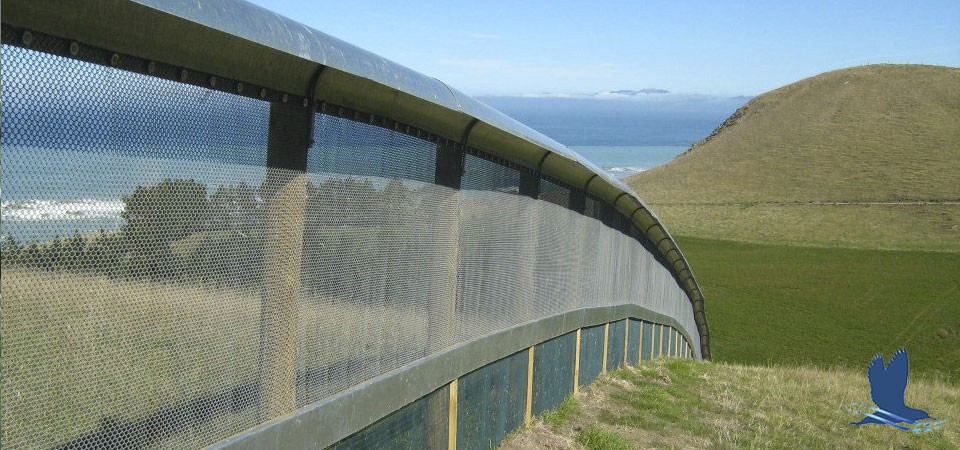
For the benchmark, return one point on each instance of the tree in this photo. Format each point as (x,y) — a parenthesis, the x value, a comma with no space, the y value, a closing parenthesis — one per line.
(157,216)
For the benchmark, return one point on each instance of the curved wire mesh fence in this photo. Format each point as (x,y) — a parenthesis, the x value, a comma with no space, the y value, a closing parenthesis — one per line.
(171,277)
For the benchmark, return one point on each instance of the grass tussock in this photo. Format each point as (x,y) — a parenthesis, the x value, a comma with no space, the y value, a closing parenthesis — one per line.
(567,409)
(598,438)
(732,406)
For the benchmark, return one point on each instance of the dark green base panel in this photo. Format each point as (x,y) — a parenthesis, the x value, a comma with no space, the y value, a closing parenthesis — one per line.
(419,425)
(490,402)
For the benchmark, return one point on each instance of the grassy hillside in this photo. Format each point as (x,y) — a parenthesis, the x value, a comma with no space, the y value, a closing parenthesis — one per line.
(683,404)
(828,307)
(809,162)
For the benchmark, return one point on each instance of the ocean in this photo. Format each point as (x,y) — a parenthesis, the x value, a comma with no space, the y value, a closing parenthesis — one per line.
(624,160)
(61,192)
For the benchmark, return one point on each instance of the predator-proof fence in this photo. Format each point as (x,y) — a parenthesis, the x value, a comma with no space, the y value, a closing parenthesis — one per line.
(223,228)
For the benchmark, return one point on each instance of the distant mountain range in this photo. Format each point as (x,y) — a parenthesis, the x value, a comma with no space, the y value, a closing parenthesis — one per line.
(618,94)
(640,92)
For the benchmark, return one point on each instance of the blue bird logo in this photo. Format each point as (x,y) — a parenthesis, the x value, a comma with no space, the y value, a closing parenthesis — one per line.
(887,385)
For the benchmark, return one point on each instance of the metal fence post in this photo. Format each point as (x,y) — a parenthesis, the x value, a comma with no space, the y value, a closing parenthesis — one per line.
(285,192)
(441,320)
(529,184)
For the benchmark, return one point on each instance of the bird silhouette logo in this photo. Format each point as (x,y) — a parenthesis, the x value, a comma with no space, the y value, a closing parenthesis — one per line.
(887,385)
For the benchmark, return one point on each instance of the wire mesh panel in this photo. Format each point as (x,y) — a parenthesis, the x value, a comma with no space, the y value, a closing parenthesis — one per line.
(553,363)
(615,345)
(497,256)
(419,425)
(483,174)
(175,271)
(554,193)
(491,401)
(633,342)
(557,264)
(132,238)
(592,208)
(497,252)
(373,246)
(591,354)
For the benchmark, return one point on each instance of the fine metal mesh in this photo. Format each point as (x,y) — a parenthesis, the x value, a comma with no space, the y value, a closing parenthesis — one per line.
(163,287)
(554,193)
(373,245)
(485,175)
(128,316)
(491,401)
(592,207)
(553,363)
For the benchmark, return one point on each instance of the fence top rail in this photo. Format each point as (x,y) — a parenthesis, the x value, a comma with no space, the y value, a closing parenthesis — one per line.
(250,44)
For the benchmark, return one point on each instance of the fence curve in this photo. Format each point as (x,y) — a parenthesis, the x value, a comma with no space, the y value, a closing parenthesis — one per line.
(221,225)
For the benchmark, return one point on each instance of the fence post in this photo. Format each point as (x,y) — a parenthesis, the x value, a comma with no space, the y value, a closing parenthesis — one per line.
(660,351)
(576,365)
(529,184)
(284,191)
(676,345)
(626,340)
(640,346)
(578,200)
(606,342)
(441,319)
(452,416)
(528,406)
(528,282)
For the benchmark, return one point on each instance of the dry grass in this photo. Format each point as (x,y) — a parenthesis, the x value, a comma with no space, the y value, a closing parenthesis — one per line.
(727,406)
(80,349)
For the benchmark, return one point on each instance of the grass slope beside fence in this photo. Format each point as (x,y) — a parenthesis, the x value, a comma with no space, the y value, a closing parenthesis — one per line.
(685,404)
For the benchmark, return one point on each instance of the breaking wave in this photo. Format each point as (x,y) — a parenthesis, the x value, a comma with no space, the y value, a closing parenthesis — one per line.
(75,209)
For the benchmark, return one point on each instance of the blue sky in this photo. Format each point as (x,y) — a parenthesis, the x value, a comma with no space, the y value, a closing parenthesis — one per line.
(706,47)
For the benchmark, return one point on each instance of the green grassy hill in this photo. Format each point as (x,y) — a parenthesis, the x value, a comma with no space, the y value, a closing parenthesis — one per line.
(861,157)
(863,161)
(683,404)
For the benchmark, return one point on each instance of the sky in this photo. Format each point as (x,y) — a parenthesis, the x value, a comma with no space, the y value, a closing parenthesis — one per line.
(723,48)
